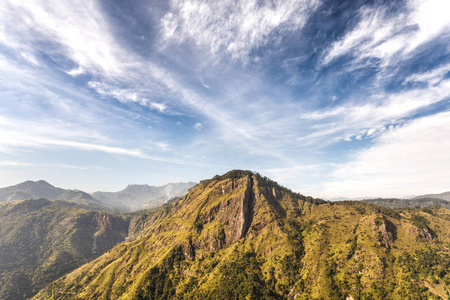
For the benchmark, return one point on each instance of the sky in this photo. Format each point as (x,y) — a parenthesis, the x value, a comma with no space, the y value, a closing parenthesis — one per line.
(328,98)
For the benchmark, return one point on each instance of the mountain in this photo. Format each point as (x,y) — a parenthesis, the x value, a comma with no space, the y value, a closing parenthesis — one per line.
(445,196)
(421,201)
(242,236)
(135,197)
(42,189)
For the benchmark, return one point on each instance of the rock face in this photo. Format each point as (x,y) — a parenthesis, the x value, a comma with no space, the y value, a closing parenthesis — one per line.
(235,213)
(386,231)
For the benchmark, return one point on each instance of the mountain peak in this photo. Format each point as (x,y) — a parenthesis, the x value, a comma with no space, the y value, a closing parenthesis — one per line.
(244,202)
(35,184)
(233,174)
(44,183)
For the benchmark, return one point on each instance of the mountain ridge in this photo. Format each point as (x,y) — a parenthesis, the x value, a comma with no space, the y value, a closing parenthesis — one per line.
(444,196)
(42,189)
(143,196)
(241,235)
(132,198)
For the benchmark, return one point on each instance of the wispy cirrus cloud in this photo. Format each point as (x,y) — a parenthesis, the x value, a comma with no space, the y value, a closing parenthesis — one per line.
(20,134)
(356,121)
(234,28)
(64,29)
(385,35)
(15,163)
(432,77)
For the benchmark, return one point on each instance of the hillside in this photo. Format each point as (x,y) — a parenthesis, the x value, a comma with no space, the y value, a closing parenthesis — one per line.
(135,196)
(241,235)
(41,240)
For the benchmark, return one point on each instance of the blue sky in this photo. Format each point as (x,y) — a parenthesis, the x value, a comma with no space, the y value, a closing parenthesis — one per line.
(329,98)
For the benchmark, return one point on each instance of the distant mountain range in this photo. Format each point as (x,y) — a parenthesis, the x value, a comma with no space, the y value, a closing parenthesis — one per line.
(133,197)
(410,203)
(445,196)
(429,200)
(42,189)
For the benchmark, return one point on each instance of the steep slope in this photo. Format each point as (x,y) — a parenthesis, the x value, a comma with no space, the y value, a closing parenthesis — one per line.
(242,236)
(42,189)
(41,240)
(135,196)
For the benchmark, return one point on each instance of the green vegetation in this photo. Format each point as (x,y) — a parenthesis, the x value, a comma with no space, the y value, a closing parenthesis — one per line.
(159,284)
(241,236)
(41,240)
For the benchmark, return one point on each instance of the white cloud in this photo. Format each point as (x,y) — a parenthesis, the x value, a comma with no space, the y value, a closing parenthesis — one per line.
(198,126)
(15,163)
(70,33)
(161,107)
(204,84)
(163,146)
(380,110)
(76,30)
(128,95)
(296,172)
(30,134)
(382,34)
(233,27)
(121,94)
(432,77)
(412,158)
(69,167)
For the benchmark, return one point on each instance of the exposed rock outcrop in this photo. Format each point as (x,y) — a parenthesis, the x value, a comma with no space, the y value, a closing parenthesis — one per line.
(386,230)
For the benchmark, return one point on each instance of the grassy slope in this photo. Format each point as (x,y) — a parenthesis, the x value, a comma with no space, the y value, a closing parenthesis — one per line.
(242,236)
